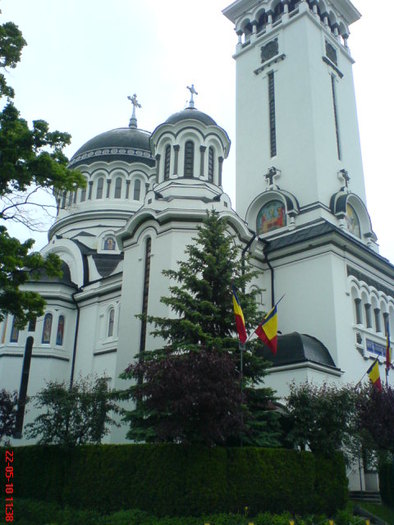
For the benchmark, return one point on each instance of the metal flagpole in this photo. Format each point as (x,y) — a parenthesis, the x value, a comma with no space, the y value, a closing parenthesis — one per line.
(241,351)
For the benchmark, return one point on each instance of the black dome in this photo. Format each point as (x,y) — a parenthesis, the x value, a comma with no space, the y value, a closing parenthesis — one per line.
(128,144)
(191,113)
(298,348)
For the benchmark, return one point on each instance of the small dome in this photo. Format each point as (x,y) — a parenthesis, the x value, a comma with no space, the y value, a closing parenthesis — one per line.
(298,348)
(127,144)
(191,113)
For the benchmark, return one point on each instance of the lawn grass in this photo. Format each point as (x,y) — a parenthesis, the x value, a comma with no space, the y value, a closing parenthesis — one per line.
(381,511)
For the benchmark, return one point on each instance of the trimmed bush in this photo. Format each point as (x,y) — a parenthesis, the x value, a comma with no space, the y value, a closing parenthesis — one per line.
(331,484)
(386,482)
(175,480)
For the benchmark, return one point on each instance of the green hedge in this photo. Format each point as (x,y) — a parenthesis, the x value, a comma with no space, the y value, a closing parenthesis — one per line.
(174,480)
(386,482)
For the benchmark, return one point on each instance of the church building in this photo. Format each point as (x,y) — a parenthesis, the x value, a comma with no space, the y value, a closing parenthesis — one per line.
(300,210)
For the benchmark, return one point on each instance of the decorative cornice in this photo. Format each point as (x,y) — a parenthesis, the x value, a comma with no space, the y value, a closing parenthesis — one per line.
(101,152)
(360,276)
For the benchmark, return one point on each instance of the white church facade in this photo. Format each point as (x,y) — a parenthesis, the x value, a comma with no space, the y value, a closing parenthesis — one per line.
(300,211)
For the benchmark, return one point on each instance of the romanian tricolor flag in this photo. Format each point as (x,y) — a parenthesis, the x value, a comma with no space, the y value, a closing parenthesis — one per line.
(389,356)
(374,376)
(267,330)
(239,318)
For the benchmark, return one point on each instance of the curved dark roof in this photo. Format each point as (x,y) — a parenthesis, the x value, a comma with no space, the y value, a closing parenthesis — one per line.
(43,277)
(298,348)
(129,144)
(191,113)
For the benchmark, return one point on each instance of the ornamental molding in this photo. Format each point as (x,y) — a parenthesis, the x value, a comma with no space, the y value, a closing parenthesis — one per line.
(132,152)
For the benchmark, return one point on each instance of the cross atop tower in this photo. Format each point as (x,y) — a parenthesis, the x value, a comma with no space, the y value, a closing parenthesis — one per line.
(136,104)
(192,93)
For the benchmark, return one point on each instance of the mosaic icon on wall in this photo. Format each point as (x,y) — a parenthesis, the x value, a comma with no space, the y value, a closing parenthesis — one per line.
(109,244)
(271,216)
(352,221)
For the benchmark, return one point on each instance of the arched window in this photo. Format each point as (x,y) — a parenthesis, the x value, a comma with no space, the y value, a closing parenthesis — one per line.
(378,324)
(368,315)
(189,159)
(167,162)
(352,221)
(100,186)
(32,325)
(211,164)
(60,330)
(358,310)
(83,194)
(111,320)
(137,190)
(271,216)
(118,187)
(14,332)
(47,328)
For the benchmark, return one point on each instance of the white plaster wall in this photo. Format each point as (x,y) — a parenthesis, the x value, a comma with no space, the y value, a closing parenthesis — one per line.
(305,127)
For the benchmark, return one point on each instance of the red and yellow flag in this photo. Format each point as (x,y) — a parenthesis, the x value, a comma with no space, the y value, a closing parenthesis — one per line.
(267,330)
(374,376)
(239,318)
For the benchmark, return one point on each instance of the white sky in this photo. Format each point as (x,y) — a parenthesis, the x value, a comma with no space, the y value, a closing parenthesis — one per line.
(84,57)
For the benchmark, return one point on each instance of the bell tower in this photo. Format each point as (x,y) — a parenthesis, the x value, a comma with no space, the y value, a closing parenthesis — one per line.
(296,113)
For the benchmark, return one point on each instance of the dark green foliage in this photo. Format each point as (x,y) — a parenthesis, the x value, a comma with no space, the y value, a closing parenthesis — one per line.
(201,295)
(175,480)
(386,482)
(29,159)
(72,416)
(331,483)
(8,407)
(31,512)
(11,45)
(321,417)
(201,299)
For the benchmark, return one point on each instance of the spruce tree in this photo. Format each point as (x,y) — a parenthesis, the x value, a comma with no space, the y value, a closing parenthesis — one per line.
(172,388)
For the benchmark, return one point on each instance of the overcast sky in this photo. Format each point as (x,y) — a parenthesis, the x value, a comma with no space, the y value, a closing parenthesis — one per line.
(84,57)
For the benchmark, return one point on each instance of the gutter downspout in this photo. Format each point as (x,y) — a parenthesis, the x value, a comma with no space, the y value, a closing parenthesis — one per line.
(244,253)
(265,252)
(75,338)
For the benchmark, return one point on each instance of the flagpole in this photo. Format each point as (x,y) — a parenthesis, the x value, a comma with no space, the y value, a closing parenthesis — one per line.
(241,369)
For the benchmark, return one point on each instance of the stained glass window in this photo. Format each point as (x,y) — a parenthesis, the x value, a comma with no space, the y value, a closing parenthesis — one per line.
(111,319)
(47,328)
(118,187)
(60,330)
(137,190)
(14,332)
(100,186)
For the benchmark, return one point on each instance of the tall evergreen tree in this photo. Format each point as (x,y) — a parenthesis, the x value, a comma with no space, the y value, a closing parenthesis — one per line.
(203,324)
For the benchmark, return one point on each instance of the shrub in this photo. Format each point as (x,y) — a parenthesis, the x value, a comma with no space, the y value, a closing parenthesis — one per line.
(386,481)
(174,480)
